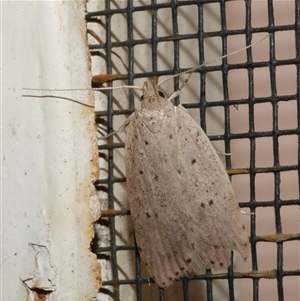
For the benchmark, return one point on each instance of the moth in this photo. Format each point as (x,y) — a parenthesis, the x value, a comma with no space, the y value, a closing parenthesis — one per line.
(185,216)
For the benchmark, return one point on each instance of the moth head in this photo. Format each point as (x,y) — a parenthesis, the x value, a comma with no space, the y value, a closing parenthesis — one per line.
(160,94)
(151,91)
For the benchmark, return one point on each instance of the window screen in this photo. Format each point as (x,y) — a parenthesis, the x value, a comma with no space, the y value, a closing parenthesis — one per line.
(247,103)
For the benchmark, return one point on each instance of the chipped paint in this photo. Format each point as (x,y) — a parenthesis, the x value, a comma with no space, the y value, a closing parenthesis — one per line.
(40,286)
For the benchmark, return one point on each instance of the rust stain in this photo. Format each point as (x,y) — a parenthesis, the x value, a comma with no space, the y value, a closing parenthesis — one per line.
(103,78)
(37,293)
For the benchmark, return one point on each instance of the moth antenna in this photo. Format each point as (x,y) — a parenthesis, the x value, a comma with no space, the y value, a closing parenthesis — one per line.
(60,97)
(118,87)
(73,100)
(85,89)
(190,71)
(76,101)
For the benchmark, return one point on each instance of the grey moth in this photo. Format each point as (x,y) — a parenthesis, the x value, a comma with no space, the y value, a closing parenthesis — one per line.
(185,216)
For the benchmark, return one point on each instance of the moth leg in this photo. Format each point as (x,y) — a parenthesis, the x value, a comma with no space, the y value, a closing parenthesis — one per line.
(223,154)
(245,213)
(121,128)
(177,92)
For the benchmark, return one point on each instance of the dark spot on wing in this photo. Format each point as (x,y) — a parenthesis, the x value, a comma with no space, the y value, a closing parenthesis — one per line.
(193,161)
(212,262)
(179,171)
(189,260)
(193,246)
(211,202)
(171,136)
(146,142)
(148,215)
(177,273)
(203,205)
(221,264)
(141,172)
(156,177)
(182,269)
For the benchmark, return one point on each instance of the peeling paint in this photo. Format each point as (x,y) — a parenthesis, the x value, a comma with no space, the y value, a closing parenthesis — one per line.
(40,286)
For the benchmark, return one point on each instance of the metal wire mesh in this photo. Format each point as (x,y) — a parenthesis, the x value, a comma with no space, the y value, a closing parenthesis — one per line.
(275,99)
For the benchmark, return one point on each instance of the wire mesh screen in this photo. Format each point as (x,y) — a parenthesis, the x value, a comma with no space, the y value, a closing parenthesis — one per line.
(248,104)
